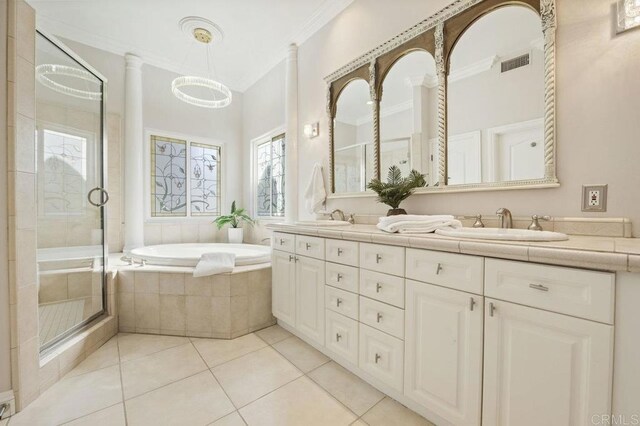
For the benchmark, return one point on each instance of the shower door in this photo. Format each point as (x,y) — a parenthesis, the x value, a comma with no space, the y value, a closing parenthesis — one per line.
(71,213)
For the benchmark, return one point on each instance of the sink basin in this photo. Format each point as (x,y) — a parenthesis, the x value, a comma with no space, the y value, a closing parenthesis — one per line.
(503,234)
(324,222)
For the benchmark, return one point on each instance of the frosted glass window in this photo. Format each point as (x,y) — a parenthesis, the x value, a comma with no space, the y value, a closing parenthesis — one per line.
(168,177)
(270,160)
(205,179)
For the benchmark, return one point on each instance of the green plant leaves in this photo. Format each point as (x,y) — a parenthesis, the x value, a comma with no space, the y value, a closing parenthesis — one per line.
(235,218)
(397,188)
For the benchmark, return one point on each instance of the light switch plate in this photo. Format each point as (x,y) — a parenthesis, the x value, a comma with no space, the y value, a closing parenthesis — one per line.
(594,198)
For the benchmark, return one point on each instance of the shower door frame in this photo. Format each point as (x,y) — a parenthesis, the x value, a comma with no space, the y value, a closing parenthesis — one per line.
(50,346)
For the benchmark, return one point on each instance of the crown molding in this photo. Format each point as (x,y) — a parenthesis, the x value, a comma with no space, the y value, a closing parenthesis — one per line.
(428,81)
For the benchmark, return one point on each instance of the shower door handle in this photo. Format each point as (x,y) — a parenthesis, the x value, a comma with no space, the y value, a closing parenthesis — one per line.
(104,196)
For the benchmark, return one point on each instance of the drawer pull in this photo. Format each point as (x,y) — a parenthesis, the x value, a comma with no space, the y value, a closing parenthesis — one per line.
(338,337)
(308,246)
(492,309)
(378,356)
(378,258)
(338,302)
(378,287)
(339,277)
(281,241)
(472,303)
(379,317)
(539,287)
(438,269)
(339,252)
(291,258)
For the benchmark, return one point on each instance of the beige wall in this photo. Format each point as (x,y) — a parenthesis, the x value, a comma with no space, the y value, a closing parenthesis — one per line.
(598,99)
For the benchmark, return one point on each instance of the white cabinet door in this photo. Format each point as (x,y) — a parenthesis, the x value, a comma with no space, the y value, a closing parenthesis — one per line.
(283,301)
(443,361)
(310,298)
(543,368)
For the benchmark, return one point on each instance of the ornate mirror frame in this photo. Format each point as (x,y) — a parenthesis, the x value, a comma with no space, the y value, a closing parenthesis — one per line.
(438,35)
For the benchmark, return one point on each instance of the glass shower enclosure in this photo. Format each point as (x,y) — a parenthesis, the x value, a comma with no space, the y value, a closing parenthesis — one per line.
(70,141)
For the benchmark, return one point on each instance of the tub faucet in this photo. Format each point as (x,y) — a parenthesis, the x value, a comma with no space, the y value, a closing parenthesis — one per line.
(504,216)
(340,212)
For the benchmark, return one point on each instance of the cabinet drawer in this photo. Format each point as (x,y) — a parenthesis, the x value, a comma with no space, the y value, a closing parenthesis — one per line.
(382,356)
(382,287)
(586,294)
(345,252)
(379,258)
(310,246)
(342,302)
(342,336)
(384,317)
(283,242)
(343,277)
(457,271)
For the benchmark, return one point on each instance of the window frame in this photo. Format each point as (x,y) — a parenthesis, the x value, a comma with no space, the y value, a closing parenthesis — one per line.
(266,137)
(189,139)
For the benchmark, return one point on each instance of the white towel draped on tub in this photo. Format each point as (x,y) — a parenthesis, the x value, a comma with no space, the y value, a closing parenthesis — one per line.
(417,224)
(214,263)
(315,195)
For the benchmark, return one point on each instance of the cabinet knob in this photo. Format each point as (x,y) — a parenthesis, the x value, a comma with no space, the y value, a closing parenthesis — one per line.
(378,287)
(377,358)
(472,303)
(339,252)
(378,258)
(338,337)
(438,269)
(291,258)
(338,302)
(492,309)
(339,277)
(281,241)
(379,317)
(308,246)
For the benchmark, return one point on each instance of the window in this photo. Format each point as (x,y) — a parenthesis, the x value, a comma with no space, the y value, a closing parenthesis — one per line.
(270,160)
(176,192)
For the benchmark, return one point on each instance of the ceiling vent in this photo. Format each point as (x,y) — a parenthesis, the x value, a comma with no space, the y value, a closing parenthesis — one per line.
(517,62)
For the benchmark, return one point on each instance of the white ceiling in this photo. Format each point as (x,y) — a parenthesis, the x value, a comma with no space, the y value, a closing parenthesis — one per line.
(256,32)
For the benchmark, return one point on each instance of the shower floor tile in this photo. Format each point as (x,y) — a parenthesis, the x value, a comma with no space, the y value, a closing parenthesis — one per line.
(138,379)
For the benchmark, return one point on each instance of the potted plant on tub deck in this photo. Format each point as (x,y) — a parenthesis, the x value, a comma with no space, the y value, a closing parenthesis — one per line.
(235,219)
(396,188)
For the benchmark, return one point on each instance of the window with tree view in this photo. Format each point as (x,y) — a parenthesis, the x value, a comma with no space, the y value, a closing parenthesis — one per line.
(270,159)
(185,178)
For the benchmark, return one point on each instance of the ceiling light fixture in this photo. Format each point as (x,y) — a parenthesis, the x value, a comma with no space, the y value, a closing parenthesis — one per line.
(221,94)
(45,71)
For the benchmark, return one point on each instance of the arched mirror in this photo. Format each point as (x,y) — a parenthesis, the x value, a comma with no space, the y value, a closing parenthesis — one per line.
(409,116)
(495,99)
(353,144)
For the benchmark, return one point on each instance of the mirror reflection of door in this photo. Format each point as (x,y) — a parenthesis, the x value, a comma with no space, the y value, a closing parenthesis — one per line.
(495,91)
(353,138)
(408,114)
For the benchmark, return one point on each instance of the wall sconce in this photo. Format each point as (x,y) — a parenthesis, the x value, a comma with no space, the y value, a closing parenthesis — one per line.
(312,130)
(628,15)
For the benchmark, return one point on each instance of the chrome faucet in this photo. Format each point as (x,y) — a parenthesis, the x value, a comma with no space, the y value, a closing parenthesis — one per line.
(504,216)
(340,212)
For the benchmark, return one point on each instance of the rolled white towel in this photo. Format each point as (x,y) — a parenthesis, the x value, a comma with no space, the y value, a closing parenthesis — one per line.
(417,224)
(214,263)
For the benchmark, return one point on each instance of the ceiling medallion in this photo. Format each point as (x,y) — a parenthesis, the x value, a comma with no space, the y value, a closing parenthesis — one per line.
(44,73)
(203,31)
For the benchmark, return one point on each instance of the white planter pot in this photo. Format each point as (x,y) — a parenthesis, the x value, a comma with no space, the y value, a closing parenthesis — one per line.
(236,235)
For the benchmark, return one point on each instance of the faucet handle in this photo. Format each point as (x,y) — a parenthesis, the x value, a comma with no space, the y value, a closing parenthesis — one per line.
(478,223)
(535,225)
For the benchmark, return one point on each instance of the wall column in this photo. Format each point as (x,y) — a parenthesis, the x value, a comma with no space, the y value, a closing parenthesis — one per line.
(133,155)
(291,123)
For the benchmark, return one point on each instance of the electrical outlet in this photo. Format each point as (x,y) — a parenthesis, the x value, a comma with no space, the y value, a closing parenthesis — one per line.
(594,198)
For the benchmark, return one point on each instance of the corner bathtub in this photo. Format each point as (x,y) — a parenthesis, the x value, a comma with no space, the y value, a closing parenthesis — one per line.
(188,255)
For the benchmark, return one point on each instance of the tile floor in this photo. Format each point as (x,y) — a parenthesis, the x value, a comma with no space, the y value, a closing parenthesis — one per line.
(265,378)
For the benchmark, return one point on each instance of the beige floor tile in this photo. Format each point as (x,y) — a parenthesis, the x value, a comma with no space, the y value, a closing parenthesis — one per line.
(112,416)
(134,346)
(72,398)
(232,419)
(216,352)
(196,400)
(248,378)
(301,354)
(151,372)
(301,402)
(390,412)
(273,334)
(359,422)
(346,387)
(104,356)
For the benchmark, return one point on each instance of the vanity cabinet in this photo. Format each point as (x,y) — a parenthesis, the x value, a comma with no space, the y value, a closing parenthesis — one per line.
(544,368)
(461,339)
(443,357)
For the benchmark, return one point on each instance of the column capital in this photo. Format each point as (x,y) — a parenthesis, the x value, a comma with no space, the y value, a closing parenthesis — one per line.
(132,60)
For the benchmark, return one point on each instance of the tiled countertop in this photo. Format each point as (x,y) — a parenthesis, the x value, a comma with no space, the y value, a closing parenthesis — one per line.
(603,253)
